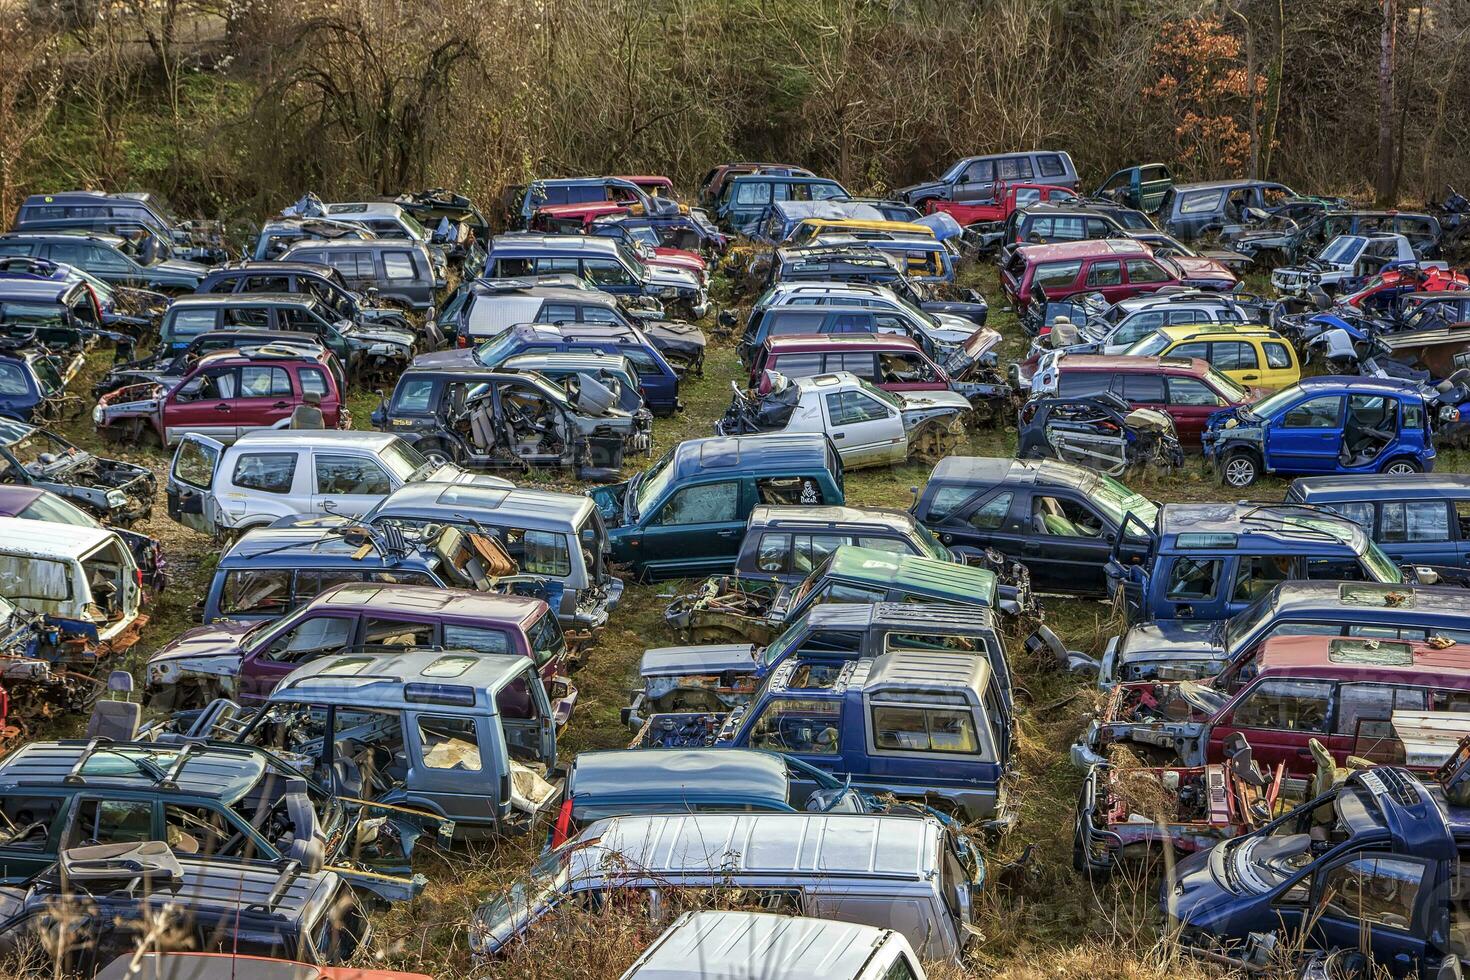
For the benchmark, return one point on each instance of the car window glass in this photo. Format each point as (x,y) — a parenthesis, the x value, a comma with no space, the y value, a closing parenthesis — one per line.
(112,822)
(946,499)
(1413,415)
(1195,349)
(859,363)
(826,192)
(799,725)
(1255,575)
(1013,168)
(398,265)
(311,638)
(1233,355)
(788,490)
(853,407)
(798,365)
(350,474)
(27,821)
(255,318)
(901,369)
(539,552)
(557,313)
(267,472)
(1360,514)
(707,503)
(1462,518)
(384,632)
(1315,413)
(265,591)
(1098,228)
(901,969)
(191,323)
(1143,389)
(1082,384)
(894,546)
(413,395)
(753,192)
(847,323)
(1286,706)
(449,743)
(312,583)
(1050,274)
(772,552)
(1366,709)
(1104,274)
(1277,356)
(477,638)
(264,382)
(211,386)
(980,171)
(1377,890)
(1413,521)
(198,831)
(548,264)
(1146,270)
(1064,518)
(1192,392)
(810,550)
(914,729)
(606,272)
(1192,579)
(990,515)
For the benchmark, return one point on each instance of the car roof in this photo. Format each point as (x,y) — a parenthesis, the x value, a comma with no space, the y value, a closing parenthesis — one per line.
(944,616)
(841,341)
(1359,385)
(1024,472)
(521,507)
(909,669)
(1285,525)
(1084,249)
(241,299)
(874,566)
(777,516)
(42,539)
(304,544)
(1355,654)
(788,845)
(218,966)
(832,210)
(743,945)
(224,772)
(279,353)
(14,499)
(491,289)
(305,438)
(578,360)
(333,244)
(1226,184)
(1216,331)
(1397,602)
(778,451)
(32,289)
(65,236)
(1378,486)
(1192,366)
(245,267)
(377,597)
(384,678)
(688,775)
(347,210)
(534,241)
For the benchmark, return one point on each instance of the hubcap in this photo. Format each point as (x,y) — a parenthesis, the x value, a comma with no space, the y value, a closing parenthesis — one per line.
(1400,469)
(437,458)
(1239,472)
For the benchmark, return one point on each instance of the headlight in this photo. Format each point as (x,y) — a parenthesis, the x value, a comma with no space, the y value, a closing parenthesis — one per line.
(116,498)
(669,292)
(160,672)
(97,415)
(1449,413)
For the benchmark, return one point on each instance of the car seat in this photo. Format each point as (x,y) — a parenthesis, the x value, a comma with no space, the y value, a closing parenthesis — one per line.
(304,842)
(116,719)
(1049,519)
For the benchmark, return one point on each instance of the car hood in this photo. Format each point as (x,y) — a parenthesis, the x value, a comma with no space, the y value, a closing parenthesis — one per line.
(220,639)
(913,190)
(927,402)
(1192,896)
(711,658)
(380,333)
(179,267)
(678,334)
(609,501)
(663,275)
(1181,639)
(1199,267)
(453,357)
(952,329)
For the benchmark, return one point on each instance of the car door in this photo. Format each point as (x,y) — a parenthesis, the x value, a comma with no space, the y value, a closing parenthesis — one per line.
(1279,366)
(1306,437)
(301,640)
(1418,532)
(204,405)
(1238,360)
(266,397)
(864,430)
(1068,543)
(347,484)
(1377,897)
(1278,716)
(191,482)
(976,182)
(1144,276)
(1142,390)
(697,528)
(1133,329)
(1191,403)
(34,820)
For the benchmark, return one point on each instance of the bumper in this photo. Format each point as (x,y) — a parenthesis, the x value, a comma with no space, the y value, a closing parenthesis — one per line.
(1084,751)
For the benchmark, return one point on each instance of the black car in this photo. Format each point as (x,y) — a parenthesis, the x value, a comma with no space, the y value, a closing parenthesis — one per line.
(1059,520)
(96,903)
(321,281)
(111,258)
(202,241)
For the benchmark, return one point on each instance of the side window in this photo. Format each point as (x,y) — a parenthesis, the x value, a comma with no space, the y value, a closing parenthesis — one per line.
(1082,384)
(838,592)
(991,515)
(27,822)
(810,550)
(1105,274)
(1013,168)
(266,472)
(916,729)
(753,192)
(788,490)
(1098,228)
(894,546)
(1198,349)
(557,313)
(946,499)
(197,831)
(1256,575)
(1192,579)
(708,503)
(1286,705)
(313,637)
(1064,518)
(1143,389)
(852,407)
(310,584)
(1315,413)
(312,381)
(901,369)
(1277,356)
(772,552)
(264,382)
(1360,514)
(980,171)
(539,552)
(1192,392)
(413,395)
(1377,890)
(349,474)
(1233,355)
(449,743)
(901,968)
(1415,521)
(253,317)
(397,633)
(800,725)
(1050,165)
(859,363)
(266,591)
(398,265)
(112,822)
(476,638)
(606,272)
(1365,709)
(210,386)
(1462,518)
(1146,270)
(798,365)
(1051,274)
(1414,414)
(192,323)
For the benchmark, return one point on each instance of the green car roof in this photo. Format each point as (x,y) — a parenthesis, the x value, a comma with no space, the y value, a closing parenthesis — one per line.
(929,576)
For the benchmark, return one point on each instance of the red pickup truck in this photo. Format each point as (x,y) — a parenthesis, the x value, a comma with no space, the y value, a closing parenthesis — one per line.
(1008,198)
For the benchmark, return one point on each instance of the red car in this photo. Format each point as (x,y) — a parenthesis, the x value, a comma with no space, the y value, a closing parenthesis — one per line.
(890,361)
(1380,292)
(1187,389)
(1008,198)
(1116,268)
(225,395)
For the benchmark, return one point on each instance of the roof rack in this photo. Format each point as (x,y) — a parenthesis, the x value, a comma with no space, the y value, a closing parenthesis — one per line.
(289,868)
(1268,516)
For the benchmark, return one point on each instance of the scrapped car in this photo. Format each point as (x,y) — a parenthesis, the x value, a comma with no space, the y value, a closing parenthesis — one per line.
(117,492)
(483,419)
(713,182)
(1102,432)
(1008,198)
(1116,268)
(1142,186)
(1250,356)
(400,271)
(111,258)
(612,371)
(1345,262)
(944,329)
(1420,519)
(975,178)
(224,396)
(782,545)
(199,240)
(1210,561)
(869,426)
(248,660)
(1058,519)
(684,515)
(162,367)
(61,316)
(243,906)
(1325,424)
(231,966)
(206,800)
(281,232)
(727,609)
(625,782)
(266,476)
(320,281)
(837,317)
(828,263)
(33,384)
(1229,207)
(844,867)
(745,198)
(921,723)
(36,504)
(607,264)
(1292,694)
(720,676)
(452,732)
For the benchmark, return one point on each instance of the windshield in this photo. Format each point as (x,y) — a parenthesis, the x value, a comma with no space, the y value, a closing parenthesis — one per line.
(1342,249)
(1150,346)
(653,482)
(929,544)
(493,352)
(807,584)
(49,507)
(886,397)
(502,919)
(777,648)
(1273,402)
(402,460)
(632,259)
(1117,501)
(1226,386)
(1380,566)
(414,227)
(918,314)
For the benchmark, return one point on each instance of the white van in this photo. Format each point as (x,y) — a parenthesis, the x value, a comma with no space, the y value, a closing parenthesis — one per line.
(267,475)
(905,873)
(84,576)
(762,946)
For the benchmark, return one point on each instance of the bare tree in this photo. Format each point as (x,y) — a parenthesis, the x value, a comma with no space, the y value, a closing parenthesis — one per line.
(29,85)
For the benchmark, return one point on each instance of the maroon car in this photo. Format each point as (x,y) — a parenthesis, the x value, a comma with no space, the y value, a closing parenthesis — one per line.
(1187,389)
(247,661)
(1116,268)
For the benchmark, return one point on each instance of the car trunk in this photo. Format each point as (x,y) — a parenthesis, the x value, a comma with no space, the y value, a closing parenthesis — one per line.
(115,592)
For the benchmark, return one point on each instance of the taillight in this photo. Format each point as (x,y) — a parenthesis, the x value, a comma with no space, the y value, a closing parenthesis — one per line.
(1045,329)
(138,577)
(563,821)
(462,341)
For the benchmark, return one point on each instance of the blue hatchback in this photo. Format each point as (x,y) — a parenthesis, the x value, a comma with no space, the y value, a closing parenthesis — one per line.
(1329,424)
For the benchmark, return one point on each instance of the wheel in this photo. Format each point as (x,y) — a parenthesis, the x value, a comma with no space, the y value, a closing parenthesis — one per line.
(933,441)
(1401,467)
(437,453)
(1240,469)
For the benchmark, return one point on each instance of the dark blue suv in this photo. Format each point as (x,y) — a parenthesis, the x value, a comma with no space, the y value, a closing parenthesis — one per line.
(1423,519)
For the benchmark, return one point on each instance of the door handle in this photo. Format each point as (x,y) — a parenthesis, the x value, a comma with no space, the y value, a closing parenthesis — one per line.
(1250,377)
(221,407)
(728,533)
(840,435)
(280,405)
(1304,753)
(1031,548)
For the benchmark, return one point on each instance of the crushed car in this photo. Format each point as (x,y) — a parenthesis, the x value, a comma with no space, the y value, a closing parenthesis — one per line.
(1102,432)
(112,490)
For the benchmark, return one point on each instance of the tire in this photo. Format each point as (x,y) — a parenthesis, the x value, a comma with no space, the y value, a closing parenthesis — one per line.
(1401,467)
(1240,469)
(435,450)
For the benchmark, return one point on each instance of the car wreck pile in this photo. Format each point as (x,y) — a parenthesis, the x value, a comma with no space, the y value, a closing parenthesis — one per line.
(399,602)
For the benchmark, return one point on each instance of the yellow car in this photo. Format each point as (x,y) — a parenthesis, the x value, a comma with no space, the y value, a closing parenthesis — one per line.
(810,230)
(1253,355)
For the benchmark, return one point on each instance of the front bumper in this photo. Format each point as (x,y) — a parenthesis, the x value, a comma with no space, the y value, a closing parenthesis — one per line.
(1084,751)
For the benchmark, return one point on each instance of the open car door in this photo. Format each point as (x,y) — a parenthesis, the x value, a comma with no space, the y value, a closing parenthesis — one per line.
(191,481)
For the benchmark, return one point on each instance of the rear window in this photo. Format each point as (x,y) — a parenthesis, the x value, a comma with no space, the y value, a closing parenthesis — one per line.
(1200,202)
(34,578)
(1056,273)
(192,323)
(1083,384)
(1050,165)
